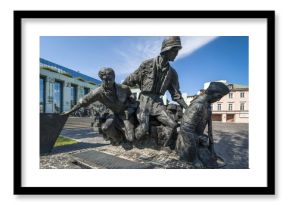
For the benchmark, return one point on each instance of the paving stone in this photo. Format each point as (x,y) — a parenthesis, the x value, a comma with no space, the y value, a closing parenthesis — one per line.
(107,161)
(232,143)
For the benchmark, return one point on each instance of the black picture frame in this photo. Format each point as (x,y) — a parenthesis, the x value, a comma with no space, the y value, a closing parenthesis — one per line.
(19,189)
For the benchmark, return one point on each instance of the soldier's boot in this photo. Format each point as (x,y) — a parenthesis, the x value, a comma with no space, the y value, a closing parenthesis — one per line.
(198,164)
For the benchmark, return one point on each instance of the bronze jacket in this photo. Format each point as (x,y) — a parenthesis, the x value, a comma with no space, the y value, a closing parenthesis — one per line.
(146,78)
(117,101)
(196,116)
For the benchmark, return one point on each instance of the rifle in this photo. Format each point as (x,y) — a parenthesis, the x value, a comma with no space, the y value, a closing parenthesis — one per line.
(211,141)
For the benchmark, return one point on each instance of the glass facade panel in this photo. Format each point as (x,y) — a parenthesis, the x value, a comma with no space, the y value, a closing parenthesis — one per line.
(42,94)
(86,90)
(57,97)
(74,93)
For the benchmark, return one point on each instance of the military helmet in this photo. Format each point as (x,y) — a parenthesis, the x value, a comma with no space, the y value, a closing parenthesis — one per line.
(170,42)
(217,87)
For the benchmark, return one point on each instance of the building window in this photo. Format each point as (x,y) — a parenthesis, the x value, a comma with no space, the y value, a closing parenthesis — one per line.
(230,107)
(242,95)
(230,95)
(242,106)
(42,94)
(219,107)
(74,95)
(86,90)
(57,97)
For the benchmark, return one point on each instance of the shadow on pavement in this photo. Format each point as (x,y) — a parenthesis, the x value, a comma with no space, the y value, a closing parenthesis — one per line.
(233,147)
(75,147)
(79,133)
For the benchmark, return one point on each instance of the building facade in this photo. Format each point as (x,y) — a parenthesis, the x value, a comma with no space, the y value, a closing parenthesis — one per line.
(61,87)
(234,107)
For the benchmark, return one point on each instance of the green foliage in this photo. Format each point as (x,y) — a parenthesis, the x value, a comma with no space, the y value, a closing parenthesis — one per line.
(61,141)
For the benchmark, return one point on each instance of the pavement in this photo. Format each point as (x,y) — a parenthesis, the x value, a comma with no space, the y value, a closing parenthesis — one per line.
(231,142)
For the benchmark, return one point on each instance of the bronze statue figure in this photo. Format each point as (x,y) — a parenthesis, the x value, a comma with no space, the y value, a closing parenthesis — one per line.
(119,122)
(192,144)
(154,77)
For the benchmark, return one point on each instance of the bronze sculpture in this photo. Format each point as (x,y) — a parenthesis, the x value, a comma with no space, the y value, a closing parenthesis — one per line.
(192,144)
(154,77)
(129,120)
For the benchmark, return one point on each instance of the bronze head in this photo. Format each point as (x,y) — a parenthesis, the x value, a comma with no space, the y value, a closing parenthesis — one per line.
(107,75)
(216,91)
(170,47)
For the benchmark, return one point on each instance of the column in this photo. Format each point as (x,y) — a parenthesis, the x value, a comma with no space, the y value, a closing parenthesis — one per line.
(49,94)
(66,96)
(80,92)
(224,117)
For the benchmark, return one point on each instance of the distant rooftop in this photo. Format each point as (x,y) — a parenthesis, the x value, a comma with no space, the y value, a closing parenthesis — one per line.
(73,73)
(232,86)
(237,86)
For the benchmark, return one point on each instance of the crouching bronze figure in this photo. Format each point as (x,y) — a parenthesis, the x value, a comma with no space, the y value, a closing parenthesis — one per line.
(192,144)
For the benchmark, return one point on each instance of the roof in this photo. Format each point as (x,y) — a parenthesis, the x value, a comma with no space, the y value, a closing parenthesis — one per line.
(238,86)
(73,73)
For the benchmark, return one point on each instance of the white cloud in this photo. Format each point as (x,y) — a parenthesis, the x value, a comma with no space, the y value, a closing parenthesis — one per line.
(136,52)
(191,44)
(145,48)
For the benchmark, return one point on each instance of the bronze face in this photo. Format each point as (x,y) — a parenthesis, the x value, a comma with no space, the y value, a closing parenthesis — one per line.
(108,80)
(172,53)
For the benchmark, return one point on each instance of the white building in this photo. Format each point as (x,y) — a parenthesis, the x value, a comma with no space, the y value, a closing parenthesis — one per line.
(233,107)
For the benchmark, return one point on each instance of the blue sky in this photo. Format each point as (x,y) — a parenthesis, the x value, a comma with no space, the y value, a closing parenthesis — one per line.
(202,58)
